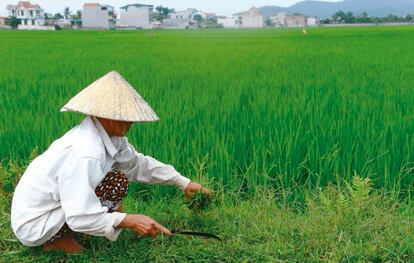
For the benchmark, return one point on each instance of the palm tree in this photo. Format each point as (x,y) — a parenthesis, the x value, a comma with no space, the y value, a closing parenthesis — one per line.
(66,13)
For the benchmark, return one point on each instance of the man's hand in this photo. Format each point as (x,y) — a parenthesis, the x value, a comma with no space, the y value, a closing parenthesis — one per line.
(193,188)
(143,225)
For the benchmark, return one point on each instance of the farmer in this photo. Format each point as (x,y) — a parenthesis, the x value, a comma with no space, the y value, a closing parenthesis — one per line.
(79,183)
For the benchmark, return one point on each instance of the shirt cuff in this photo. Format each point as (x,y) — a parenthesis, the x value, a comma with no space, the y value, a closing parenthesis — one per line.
(181,181)
(111,232)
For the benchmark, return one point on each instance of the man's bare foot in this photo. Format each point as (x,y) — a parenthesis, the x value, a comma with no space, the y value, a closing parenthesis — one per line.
(67,244)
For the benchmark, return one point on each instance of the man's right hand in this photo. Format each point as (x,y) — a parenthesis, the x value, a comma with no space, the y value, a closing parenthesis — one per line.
(143,225)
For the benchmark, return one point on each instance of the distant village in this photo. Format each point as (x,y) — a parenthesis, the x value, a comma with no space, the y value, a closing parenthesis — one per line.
(27,16)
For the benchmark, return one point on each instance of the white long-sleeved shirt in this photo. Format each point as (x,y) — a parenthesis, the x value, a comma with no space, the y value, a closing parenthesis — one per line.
(59,185)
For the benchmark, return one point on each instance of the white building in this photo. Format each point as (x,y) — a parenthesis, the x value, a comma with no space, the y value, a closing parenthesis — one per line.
(31,15)
(205,15)
(296,21)
(181,19)
(98,16)
(279,20)
(283,19)
(137,16)
(312,21)
(229,21)
(186,14)
(156,24)
(252,18)
(3,20)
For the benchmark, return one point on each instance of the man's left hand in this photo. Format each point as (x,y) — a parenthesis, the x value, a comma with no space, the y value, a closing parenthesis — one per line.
(193,187)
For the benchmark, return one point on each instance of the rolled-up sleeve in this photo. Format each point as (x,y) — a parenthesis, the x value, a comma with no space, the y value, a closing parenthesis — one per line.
(146,169)
(83,210)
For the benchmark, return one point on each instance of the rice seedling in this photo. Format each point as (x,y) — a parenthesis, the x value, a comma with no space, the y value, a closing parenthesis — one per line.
(299,116)
(248,107)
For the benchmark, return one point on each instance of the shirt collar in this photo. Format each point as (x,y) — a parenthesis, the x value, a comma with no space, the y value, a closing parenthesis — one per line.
(110,147)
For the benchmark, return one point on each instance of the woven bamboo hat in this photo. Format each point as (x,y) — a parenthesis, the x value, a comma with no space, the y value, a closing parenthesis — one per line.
(112,97)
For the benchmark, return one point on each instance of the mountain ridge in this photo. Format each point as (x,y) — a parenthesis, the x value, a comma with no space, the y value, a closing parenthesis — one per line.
(324,9)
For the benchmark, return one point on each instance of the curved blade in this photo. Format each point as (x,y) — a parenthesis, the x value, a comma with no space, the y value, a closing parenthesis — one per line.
(194,233)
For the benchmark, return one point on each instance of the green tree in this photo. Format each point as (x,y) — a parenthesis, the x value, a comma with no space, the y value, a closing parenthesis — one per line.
(66,13)
(375,20)
(48,16)
(78,14)
(211,22)
(77,19)
(13,22)
(198,18)
(326,21)
(57,16)
(339,17)
(392,18)
(349,18)
(363,18)
(162,12)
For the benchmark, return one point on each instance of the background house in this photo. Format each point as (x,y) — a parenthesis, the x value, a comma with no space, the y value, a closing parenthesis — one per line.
(98,16)
(278,20)
(186,14)
(136,15)
(206,15)
(229,21)
(3,23)
(31,16)
(312,21)
(181,19)
(283,19)
(3,20)
(295,21)
(156,24)
(252,18)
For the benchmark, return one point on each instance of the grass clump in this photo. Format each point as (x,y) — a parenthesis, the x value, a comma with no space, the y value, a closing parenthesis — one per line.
(351,224)
(200,202)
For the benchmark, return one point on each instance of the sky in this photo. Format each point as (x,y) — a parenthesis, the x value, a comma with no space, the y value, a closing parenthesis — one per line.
(221,7)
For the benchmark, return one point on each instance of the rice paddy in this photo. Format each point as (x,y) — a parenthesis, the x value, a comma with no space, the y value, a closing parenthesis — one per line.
(240,110)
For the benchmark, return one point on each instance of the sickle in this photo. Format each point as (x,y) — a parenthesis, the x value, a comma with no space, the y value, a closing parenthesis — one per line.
(194,233)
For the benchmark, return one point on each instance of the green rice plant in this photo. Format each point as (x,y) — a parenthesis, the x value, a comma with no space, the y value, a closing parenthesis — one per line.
(248,107)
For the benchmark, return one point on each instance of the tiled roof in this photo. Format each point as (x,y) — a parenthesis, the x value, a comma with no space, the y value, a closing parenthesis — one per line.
(90,4)
(27,5)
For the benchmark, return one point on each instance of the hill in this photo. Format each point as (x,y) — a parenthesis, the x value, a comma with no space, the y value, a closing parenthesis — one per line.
(327,9)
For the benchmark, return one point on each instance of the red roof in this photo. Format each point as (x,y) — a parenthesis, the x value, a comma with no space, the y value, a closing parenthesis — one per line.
(90,4)
(27,5)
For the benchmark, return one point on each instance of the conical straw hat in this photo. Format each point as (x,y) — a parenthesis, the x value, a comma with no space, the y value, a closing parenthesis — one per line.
(112,97)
